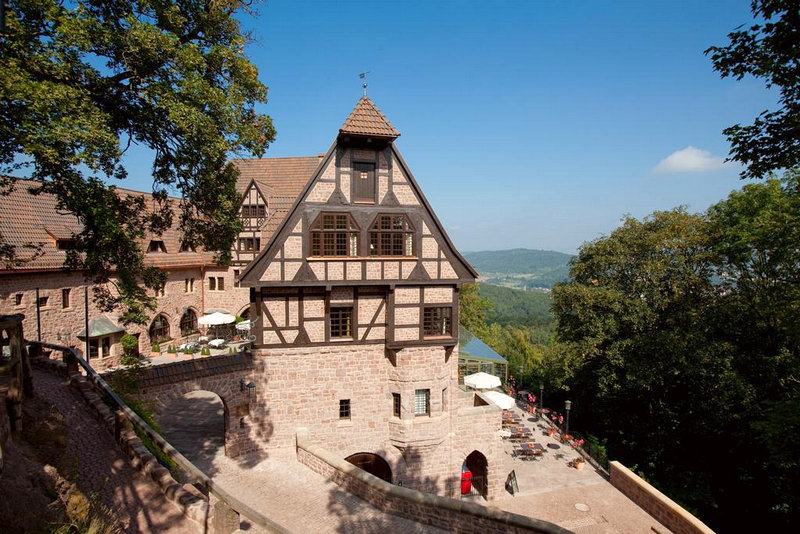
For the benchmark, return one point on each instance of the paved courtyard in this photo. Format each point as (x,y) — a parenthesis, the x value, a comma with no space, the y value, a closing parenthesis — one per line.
(303,501)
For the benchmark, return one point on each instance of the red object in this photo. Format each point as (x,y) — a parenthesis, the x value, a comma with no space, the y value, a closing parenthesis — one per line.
(466,482)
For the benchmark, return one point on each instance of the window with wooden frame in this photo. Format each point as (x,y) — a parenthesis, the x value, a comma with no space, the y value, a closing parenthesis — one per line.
(341,322)
(188,323)
(187,247)
(391,235)
(159,329)
(65,297)
(254,211)
(344,408)
(156,246)
(396,407)
(334,234)
(364,187)
(236,282)
(249,244)
(437,321)
(216,283)
(422,402)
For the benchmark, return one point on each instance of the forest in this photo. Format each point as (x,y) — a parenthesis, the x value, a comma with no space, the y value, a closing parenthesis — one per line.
(677,340)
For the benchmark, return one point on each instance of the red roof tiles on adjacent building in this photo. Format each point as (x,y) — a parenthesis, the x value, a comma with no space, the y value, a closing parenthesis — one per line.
(366,119)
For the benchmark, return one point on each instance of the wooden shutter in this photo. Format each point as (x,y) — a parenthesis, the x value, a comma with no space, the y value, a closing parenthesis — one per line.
(364,182)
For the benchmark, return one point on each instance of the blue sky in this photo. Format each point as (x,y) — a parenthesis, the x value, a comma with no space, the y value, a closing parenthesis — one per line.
(527,124)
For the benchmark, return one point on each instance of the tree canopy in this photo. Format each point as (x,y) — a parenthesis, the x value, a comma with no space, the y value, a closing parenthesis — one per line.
(681,332)
(769,50)
(81,82)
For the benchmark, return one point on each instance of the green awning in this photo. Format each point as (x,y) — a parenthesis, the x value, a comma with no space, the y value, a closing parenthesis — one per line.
(472,348)
(101,326)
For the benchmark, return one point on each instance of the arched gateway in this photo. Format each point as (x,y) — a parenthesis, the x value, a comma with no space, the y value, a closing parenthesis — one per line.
(372,464)
(477,464)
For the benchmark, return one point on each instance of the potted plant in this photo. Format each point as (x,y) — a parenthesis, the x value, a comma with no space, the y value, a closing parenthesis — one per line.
(172,350)
(205,352)
(155,350)
(578,463)
(551,431)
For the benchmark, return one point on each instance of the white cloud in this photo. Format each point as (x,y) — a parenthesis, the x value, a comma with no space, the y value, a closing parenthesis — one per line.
(690,159)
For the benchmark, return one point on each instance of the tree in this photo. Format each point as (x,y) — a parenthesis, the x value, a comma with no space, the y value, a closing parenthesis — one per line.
(472,309)
(769,50)
(81,82)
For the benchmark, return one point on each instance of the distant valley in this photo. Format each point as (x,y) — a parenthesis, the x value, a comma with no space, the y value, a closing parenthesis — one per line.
(521,268)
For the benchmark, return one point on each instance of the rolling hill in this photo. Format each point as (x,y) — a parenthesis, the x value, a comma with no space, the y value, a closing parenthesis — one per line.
(521,268)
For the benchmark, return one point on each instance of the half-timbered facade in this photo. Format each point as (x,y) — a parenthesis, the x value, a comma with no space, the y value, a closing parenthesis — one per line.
(355,303)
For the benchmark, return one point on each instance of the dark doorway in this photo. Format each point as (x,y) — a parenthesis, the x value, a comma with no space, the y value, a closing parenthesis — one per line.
(476,463)
(372,464)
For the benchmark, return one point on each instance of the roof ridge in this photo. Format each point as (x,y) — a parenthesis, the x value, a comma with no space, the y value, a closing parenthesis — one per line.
(366,119)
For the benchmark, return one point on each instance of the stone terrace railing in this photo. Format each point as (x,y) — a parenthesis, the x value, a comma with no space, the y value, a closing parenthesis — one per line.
(222,517)
(442,512)
(665,510)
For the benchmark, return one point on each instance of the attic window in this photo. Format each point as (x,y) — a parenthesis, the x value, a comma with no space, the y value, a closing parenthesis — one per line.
(185,247)
(364,182)
(156,246)
(391,235)
(334,234)
(65,244)
(258,211)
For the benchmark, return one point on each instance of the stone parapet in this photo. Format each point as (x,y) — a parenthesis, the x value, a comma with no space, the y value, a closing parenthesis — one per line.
(665,510)
(442,512)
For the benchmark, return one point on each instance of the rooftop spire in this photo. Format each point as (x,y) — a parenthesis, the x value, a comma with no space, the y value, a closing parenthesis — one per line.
(367,120)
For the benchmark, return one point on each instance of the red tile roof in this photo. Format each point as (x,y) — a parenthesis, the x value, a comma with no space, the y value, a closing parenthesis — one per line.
(281,180)
(366,119)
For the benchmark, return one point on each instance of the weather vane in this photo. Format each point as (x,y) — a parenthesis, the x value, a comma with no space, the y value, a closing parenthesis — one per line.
(363,76)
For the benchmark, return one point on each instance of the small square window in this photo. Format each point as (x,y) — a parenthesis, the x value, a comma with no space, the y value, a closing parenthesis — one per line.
(43,301)
(341,322)
(18,299)
(422,402)
(396,404)
(437,321)
(220,284)
(344,408)
(65,297)
(212,283)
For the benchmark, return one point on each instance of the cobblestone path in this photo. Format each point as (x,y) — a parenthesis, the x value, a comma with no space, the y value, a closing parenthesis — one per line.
(103,469)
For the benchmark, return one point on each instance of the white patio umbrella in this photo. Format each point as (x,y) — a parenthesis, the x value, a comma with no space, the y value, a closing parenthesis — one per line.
(244,326)
(216,318)
(482,381)
(500,399)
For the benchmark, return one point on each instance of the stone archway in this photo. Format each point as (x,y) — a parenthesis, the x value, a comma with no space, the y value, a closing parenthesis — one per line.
(477,464)
(372,464)
(196,425)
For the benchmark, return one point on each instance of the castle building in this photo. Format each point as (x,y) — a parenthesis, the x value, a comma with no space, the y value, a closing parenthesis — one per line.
(351,284)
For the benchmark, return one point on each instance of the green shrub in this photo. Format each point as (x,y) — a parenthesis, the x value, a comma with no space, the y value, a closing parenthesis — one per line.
(205,352)
(130,344)
(239,319)
(171,349)
(156,347)
(189,350)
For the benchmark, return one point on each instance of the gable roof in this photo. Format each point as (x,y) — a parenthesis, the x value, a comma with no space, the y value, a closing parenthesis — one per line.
(34,219)
(280,181)
(366,119)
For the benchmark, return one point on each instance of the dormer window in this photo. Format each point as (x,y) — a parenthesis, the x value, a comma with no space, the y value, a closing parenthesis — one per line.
(334,234)
(185,247)
(391,235)
(249,244)
(364,182)
(65,244)
(156,246)
(254,211)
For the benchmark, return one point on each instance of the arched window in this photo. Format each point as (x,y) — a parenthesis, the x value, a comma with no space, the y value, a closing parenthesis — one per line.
(391,235)
(159,329)
(334,234)
(188,323)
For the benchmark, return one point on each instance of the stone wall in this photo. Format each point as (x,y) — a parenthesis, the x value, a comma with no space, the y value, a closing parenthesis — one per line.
(665,510)
(447,514)
(61,324)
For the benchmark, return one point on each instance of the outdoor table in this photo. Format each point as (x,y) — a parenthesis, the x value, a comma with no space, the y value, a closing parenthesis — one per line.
(530,449)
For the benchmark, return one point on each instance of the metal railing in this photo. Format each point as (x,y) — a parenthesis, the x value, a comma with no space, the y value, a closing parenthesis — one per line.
(72,359)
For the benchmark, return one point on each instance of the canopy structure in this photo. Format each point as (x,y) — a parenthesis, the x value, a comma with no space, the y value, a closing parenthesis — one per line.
(216,310)
(100,327)
(482,381)
(474,356)
(500,399)
(216,318)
